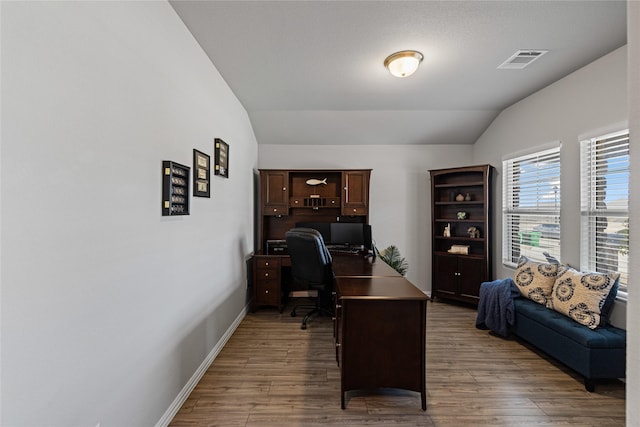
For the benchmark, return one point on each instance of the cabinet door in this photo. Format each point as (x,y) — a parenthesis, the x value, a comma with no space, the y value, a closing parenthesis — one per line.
(355,200)
(275,192)
(445,276)
(471,273)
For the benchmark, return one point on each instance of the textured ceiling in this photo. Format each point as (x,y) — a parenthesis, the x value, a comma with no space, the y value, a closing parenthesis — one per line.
(310,72)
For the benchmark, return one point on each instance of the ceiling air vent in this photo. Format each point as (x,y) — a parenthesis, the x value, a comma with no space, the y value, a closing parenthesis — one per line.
(521,59)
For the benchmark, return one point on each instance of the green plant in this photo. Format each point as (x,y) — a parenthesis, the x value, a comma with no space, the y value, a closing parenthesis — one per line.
(391,255)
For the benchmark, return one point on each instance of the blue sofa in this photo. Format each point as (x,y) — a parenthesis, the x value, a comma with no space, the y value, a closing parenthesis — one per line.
(594,353)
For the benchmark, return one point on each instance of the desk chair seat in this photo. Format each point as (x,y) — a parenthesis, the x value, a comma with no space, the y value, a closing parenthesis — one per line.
(311,267)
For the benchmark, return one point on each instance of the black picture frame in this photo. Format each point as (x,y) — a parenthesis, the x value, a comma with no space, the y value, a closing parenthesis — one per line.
(201,174)
(221,158)
(175,188)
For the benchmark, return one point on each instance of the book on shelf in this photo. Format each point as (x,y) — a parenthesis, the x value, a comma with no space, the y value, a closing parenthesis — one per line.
(459,249)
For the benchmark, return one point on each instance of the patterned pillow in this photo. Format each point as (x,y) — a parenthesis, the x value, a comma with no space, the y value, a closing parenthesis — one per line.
(581,296)
(535,280)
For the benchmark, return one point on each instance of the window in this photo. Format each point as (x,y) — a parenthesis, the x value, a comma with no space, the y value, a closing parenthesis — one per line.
(604,165)
(531,206)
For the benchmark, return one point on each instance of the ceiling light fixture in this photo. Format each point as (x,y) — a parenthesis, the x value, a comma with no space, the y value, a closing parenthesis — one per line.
(403,63)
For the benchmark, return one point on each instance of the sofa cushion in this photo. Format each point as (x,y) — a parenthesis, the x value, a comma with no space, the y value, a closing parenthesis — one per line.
(535,280)
(581,296)
(601,337)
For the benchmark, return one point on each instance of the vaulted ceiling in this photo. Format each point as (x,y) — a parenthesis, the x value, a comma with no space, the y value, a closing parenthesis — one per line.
(311,72)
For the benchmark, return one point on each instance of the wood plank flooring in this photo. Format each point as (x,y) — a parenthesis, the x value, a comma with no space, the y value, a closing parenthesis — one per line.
(272,373)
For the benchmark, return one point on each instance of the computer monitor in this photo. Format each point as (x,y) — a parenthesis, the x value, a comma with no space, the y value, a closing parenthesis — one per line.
(350,234)
(323,227)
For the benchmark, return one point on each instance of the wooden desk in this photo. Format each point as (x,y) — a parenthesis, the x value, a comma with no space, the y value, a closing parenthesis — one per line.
(381,327)
(268,277)
(380,321)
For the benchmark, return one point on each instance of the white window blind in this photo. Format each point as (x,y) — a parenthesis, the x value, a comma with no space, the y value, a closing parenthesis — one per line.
(604,245)
(531,206)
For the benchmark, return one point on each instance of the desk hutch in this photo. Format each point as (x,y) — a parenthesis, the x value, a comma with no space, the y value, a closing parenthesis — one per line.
(288,197)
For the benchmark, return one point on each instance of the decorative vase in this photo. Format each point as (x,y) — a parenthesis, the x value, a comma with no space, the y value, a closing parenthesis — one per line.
(467,197)
(459,197)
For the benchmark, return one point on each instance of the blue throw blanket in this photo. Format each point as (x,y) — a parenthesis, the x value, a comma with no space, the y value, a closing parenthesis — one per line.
(495,309)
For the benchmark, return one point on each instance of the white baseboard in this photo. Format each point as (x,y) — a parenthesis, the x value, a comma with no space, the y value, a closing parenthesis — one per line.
(195,378)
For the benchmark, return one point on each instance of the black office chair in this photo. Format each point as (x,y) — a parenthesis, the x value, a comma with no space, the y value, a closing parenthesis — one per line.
(311,267)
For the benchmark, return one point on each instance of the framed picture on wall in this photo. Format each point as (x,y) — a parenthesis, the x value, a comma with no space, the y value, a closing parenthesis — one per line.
(222,158)
(201,174)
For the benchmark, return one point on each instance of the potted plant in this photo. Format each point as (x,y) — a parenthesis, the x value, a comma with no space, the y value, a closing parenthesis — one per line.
(391,255)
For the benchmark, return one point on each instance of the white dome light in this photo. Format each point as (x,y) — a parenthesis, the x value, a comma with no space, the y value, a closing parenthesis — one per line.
(403,63)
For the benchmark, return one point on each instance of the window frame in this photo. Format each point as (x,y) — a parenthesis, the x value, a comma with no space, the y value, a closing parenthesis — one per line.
(592,168)
(545,178)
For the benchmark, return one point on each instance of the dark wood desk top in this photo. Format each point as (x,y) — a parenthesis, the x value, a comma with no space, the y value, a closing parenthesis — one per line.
(378,288)
(345,265)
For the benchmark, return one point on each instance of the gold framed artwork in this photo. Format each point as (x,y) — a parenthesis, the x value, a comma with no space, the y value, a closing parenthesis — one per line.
(201,174)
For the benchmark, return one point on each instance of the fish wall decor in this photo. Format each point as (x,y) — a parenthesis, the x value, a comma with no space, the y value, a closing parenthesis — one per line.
(317,181)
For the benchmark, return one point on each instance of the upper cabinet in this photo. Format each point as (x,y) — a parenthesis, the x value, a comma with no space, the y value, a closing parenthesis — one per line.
(289,197)
(275,192)
(355,198)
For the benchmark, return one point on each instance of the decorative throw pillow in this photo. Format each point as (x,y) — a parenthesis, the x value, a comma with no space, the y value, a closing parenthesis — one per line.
(535,280)
(608,302)
(581,296)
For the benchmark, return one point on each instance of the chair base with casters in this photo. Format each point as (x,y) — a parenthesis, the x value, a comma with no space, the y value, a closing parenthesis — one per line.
(316,309)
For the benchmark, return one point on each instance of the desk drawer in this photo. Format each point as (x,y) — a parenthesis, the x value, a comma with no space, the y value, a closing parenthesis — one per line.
(268,263)
(349,210)
(266,282)
(263,274)
(268,292)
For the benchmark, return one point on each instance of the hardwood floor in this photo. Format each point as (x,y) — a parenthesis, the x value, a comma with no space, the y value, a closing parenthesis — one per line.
(272,373)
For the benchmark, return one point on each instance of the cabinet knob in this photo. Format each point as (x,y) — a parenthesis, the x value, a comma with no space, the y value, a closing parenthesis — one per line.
(266,263)
(355,210)
(275,209)
(296,202)
(284,188)
(266,274)
(338,306)
(337,344)
(266,292)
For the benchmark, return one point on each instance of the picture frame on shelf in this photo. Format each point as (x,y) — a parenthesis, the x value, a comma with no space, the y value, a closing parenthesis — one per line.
(221,158)
(201,174)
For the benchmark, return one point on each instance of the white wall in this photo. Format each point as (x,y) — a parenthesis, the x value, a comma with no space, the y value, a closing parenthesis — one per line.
(108,308)
(633,305)
(589,102)
(400,191)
